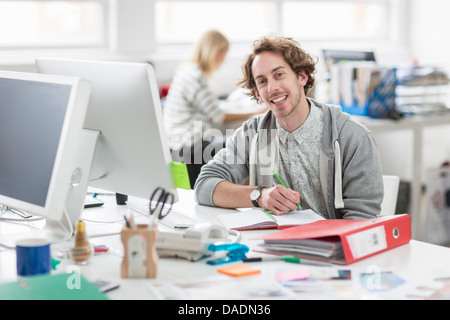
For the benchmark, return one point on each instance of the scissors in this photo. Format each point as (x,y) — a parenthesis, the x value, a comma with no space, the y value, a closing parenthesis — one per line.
(164,200)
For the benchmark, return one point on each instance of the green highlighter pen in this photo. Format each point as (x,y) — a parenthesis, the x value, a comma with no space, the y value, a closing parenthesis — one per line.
(270,215)
(282,183)
(308,262)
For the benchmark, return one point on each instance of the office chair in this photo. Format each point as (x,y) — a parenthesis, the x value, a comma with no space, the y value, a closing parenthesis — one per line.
(389,203)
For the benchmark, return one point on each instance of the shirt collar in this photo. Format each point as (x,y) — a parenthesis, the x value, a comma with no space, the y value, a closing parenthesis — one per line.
(307,131)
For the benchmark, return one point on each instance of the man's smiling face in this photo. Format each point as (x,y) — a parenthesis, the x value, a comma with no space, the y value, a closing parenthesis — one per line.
(277,85)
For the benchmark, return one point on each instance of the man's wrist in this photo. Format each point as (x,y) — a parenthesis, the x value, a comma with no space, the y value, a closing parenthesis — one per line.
(255,196)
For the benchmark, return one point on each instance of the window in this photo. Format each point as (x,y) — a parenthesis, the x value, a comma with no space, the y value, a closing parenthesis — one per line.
(345,20)
(52,23)
(182,21)
(185,21)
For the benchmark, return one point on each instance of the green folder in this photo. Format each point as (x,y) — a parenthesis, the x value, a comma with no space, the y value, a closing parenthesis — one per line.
(65,286)
(181,175)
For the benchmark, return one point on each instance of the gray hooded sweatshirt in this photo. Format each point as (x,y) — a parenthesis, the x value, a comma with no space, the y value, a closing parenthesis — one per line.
(350,167)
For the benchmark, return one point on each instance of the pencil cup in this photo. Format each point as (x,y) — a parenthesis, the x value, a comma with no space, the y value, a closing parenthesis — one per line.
(33,257)
(140,258)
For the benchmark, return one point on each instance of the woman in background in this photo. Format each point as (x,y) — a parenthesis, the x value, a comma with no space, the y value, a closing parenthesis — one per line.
(191,107)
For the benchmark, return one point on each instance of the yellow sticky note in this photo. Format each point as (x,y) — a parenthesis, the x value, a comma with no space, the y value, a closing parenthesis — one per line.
(181,175)
(239,270)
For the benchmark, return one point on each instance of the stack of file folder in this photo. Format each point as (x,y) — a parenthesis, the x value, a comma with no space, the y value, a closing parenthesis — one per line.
(328,249)
(339,241)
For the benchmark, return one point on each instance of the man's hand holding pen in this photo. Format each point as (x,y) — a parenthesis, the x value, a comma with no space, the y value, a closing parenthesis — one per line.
(279,199)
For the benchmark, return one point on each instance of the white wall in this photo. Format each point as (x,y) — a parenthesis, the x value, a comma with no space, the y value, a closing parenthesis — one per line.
(430,31)
(429,28)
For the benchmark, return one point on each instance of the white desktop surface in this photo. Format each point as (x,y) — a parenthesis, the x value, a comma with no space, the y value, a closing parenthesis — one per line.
(412,260)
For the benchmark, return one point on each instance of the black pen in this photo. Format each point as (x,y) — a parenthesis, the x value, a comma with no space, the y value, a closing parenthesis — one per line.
(260,259)
(126,221)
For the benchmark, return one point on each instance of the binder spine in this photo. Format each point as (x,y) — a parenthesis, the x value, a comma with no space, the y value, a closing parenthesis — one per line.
(382,236)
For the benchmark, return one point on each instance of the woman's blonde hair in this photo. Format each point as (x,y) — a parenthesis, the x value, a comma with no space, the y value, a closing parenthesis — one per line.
(210,44)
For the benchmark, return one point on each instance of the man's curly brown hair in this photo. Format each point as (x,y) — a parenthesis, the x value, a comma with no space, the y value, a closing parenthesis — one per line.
(292,53)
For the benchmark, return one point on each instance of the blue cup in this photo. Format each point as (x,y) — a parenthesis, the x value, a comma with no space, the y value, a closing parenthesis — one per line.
(33,257)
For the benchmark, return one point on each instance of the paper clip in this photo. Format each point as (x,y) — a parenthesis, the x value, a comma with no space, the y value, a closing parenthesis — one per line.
(236,252)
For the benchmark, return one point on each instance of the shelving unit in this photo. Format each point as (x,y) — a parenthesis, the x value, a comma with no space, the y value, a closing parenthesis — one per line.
(418,95)
(365,89)
(422,90)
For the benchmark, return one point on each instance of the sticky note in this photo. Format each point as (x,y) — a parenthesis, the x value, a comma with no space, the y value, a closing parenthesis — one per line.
(181,175)
(239,270)
(298,274)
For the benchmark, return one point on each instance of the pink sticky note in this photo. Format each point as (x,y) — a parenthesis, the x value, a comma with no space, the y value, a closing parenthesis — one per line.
(298,274)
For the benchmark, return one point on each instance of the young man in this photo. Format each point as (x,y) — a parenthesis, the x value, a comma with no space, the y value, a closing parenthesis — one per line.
(327,161)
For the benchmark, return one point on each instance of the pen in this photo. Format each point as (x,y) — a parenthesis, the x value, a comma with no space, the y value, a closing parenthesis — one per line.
(260,259)
(308,262)
(130,222)
(100,249)
(270,216)
(126,221)
(282,183)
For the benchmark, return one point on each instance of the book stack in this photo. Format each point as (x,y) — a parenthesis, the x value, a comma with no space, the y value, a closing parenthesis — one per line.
(422,90)
(363,88)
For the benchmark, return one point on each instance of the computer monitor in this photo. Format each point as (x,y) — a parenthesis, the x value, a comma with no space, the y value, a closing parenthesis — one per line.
(41,120)
(132,156)
(335,56)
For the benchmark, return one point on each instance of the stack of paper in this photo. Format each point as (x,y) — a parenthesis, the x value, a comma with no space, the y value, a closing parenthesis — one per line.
(329,249)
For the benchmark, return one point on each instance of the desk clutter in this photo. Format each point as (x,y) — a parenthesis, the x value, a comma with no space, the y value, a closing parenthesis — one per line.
(367,89)
(309,283)
(216,249)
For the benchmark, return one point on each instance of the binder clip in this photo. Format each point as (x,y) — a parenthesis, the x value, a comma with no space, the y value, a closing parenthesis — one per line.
(236,252)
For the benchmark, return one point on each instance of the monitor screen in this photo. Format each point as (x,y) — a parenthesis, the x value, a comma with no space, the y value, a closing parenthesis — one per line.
(132,156)
(29,136)
(41,118)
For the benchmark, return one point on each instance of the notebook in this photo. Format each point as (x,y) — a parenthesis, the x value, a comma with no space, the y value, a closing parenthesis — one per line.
(258,219)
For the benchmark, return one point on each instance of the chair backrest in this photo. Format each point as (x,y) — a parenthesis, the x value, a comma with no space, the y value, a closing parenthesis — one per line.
(391,185)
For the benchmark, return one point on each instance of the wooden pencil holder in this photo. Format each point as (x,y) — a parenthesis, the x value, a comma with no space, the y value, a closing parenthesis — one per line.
(140,259)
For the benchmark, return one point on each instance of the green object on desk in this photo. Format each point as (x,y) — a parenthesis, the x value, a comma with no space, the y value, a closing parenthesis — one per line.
(65,286)
(181,175)
(282,183)
(270,215)
(306,261)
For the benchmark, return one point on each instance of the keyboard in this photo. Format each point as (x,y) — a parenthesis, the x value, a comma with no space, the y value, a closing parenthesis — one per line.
(175,219)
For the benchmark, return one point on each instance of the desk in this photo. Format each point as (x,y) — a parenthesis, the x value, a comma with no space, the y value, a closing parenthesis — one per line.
(410,261)
(417,124)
